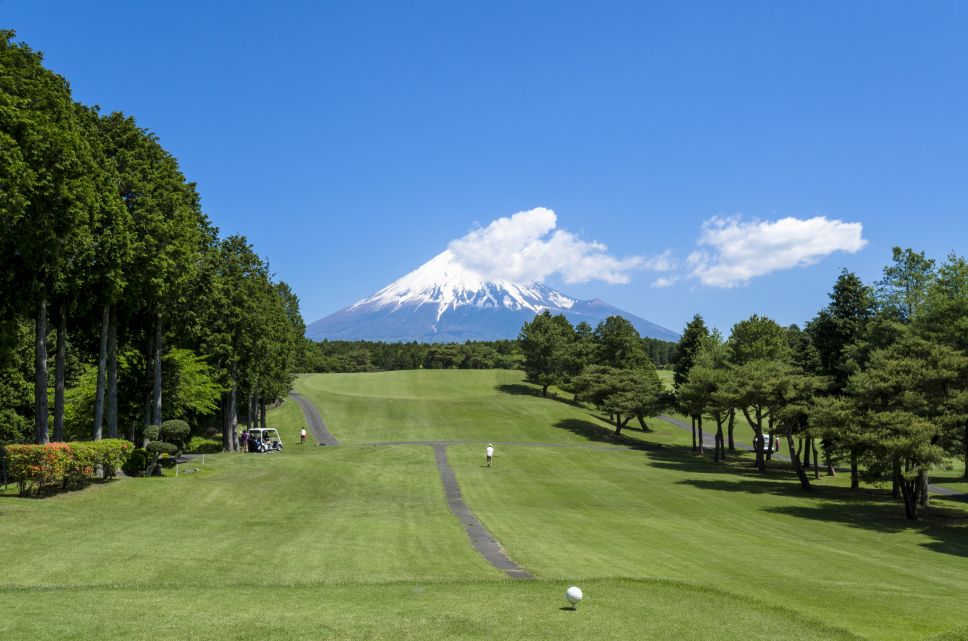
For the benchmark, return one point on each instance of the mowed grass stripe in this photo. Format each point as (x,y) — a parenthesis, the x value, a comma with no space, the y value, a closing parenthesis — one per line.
(338,514)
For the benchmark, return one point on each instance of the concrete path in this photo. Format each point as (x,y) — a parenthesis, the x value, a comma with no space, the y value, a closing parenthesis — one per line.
(482,540)
(316,424)
(710,442)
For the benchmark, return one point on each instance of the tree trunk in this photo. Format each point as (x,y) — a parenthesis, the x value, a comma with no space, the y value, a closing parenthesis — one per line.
(854,476)
(544,390)
(910,490)
(699,428)
(228,418)
(795,459)
(262,412)
(693,419)
(156,390)
(816,459)
(769,443)
(923,496)
(965,475)
(102,364)
(645,428)
(732,419)
(250,412)
(758,444)
(113,374)
(828,460)
(619,424)
(896,484)
(59,358)
(807,448)
(719,453)
(40,374)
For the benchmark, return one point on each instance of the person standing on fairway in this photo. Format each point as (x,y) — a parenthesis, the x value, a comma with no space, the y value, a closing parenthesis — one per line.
(302,436)
(490,453)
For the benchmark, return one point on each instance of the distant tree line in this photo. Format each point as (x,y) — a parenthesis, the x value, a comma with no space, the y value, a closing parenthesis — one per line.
(120,305)
(877,381)
(374,356)
(369,356)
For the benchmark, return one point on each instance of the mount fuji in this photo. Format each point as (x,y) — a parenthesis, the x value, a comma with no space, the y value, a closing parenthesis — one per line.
(443,302)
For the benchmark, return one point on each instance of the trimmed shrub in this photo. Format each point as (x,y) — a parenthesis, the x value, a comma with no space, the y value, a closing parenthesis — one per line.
(57,466)
(137,463)
(153,432)
(157,450)
(176,432)
(39,467)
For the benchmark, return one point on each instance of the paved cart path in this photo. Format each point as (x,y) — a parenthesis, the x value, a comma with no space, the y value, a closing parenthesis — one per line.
(316,423)
(482,540)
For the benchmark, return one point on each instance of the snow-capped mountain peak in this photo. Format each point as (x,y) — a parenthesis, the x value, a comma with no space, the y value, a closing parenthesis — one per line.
(444,301)
(444,283)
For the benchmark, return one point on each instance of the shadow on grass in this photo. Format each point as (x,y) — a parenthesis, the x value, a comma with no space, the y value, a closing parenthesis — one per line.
(870,509)
(597,433)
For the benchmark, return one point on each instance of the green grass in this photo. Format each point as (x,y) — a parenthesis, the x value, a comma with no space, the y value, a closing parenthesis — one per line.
(356,542)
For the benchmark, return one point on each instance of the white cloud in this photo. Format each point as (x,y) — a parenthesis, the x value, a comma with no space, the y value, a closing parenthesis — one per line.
(741,249)
(664,281)
(527,247)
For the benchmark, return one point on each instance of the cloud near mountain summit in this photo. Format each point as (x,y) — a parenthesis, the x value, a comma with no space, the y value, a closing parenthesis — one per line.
(528,247)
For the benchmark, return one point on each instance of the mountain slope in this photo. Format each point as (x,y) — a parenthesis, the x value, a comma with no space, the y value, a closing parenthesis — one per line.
(442,301)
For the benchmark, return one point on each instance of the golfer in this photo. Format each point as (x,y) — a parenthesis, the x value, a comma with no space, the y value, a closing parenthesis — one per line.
(302,436)
(490,453)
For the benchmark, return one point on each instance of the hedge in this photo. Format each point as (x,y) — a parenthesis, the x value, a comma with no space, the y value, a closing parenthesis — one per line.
(58,466)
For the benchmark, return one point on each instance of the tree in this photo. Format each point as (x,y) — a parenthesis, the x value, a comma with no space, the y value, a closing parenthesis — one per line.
(903,399)
(53,201)
(619,344)
(905,283)
(686,349)
(943,318)
(546,343)
(622,393)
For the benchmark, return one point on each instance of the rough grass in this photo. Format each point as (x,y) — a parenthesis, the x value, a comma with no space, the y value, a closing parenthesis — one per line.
(356,542)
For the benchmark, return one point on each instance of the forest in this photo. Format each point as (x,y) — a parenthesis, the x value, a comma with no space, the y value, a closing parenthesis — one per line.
(122,305)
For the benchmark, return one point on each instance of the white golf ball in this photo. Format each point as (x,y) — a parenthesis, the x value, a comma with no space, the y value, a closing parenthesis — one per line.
(573,594)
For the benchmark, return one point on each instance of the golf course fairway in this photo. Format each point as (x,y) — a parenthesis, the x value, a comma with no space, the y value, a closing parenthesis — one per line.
(356,541)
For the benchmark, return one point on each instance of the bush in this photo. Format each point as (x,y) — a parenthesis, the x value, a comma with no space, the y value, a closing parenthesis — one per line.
(153,432)
(176,432)
(157,450)
(39,467)
(137,463)
(199,445)
(63,465)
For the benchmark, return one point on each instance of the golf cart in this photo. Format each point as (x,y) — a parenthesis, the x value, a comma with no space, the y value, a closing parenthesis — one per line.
(264,439)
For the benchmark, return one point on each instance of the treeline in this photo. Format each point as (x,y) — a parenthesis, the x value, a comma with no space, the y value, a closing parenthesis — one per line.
(112,276)
(369,356)
(879,378)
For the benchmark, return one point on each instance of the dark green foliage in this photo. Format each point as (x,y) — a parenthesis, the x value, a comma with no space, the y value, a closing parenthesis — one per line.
(137,463)
(176,432)
(687,348)
(546,344)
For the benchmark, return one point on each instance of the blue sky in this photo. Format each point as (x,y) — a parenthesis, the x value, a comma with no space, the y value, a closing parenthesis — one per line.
(353,141)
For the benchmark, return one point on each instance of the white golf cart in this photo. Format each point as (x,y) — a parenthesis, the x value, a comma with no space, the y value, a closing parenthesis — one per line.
(264,439)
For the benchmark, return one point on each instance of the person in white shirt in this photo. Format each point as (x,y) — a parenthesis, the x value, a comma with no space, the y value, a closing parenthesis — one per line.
(302,436)
(490,453)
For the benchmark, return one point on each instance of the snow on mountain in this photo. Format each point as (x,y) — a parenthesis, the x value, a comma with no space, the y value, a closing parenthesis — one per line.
(443,301)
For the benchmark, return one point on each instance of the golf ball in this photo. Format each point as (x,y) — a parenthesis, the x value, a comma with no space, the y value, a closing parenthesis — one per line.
(573,594)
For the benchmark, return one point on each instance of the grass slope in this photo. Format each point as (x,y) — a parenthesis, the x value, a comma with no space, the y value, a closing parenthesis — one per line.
(356,542)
